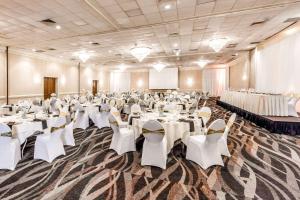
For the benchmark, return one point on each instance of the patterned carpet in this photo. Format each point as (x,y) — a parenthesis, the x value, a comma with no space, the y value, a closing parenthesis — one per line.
(262,166)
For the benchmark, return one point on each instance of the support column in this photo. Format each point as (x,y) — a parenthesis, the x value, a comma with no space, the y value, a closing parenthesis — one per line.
(79,78)
(7,81)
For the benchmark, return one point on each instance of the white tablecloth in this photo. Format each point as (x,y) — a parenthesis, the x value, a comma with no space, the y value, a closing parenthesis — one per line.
(174,129)
(30,123)
(261,104)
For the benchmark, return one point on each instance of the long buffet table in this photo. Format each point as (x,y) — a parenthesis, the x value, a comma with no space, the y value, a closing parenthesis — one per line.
(260,104)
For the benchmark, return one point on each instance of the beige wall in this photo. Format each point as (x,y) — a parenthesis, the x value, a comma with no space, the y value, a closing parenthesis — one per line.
(88,74)
(26,76)
(139,80)
(190,79)
(2,77)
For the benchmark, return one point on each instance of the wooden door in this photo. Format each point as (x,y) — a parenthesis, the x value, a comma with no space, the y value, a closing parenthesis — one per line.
(49,87)
(95,87)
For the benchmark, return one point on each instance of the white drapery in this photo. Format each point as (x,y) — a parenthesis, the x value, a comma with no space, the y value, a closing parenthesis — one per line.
(119,81)
(277,66)
(214,80)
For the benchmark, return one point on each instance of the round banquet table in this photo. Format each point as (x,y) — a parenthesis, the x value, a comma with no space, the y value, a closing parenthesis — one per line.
(174,129)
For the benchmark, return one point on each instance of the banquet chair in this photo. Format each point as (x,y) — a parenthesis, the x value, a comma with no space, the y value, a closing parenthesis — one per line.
(67,135)
(101,118)
(205,114)
(10,149)
(202,148)
(114,111)
(82,118)
(49,145)
(155,145)
(292,107)
(135,109)
(123,139)
(223,148)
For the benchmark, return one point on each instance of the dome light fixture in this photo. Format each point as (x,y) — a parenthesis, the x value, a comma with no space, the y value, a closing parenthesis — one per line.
(218,43)
(140,53)
(159,66)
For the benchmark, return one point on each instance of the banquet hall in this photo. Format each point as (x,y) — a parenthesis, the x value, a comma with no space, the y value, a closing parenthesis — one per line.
(149,99)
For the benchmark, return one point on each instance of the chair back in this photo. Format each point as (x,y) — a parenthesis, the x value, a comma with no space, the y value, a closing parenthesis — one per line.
(231,120)
(135,108)
(213,139)
(217,126)
(114,124)
(4,128)
(112,102)
(153,131)
(57,122)
(205,114)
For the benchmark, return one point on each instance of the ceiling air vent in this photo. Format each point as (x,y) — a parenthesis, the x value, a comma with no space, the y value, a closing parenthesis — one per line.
(258,23)
(193,49)
(40,51)
(95,43)
(173,34)
(254,42)
(48,22)
(292,19)
(232,45)
(51,49)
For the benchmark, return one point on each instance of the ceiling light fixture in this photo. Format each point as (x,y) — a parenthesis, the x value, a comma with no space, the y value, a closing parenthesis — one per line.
(58,27)
(34,50)
(83,55)
(140,53)
(159,66)
(202,63)
(218,43)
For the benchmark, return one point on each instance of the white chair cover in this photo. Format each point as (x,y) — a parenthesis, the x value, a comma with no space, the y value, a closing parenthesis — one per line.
(155,145)
(67,135)
(49,146)
(135,108)
(223,148)
(292,107)
(202,150)
(10,150)
(81,120)
(123,139)
(205,114)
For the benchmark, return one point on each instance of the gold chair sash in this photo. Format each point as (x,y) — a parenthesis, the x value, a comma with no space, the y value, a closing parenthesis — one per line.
(114,123)
(53,129)
(159,131)
(204,114)
(211,131)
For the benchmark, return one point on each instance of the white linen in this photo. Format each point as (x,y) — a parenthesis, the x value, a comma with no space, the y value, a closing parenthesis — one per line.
(174,129)
(261,104)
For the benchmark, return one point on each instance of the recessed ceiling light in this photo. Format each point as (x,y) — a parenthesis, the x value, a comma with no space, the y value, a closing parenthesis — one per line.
(167,7)
(175,45)
(58,27)
(34,50)
(109,51)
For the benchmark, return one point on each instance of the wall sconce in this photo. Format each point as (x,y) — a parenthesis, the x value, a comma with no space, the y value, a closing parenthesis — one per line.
(190,82)
(244,77)
(140,83)
(63,80)
(37,79)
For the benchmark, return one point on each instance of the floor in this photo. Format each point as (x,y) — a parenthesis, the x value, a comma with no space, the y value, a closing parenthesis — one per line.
(262,166)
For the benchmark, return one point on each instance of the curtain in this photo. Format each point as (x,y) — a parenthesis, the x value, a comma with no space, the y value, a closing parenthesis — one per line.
(119,81)
(215,80)
(277,66)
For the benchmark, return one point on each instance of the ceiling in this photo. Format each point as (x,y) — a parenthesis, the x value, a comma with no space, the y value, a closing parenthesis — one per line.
(108,29)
